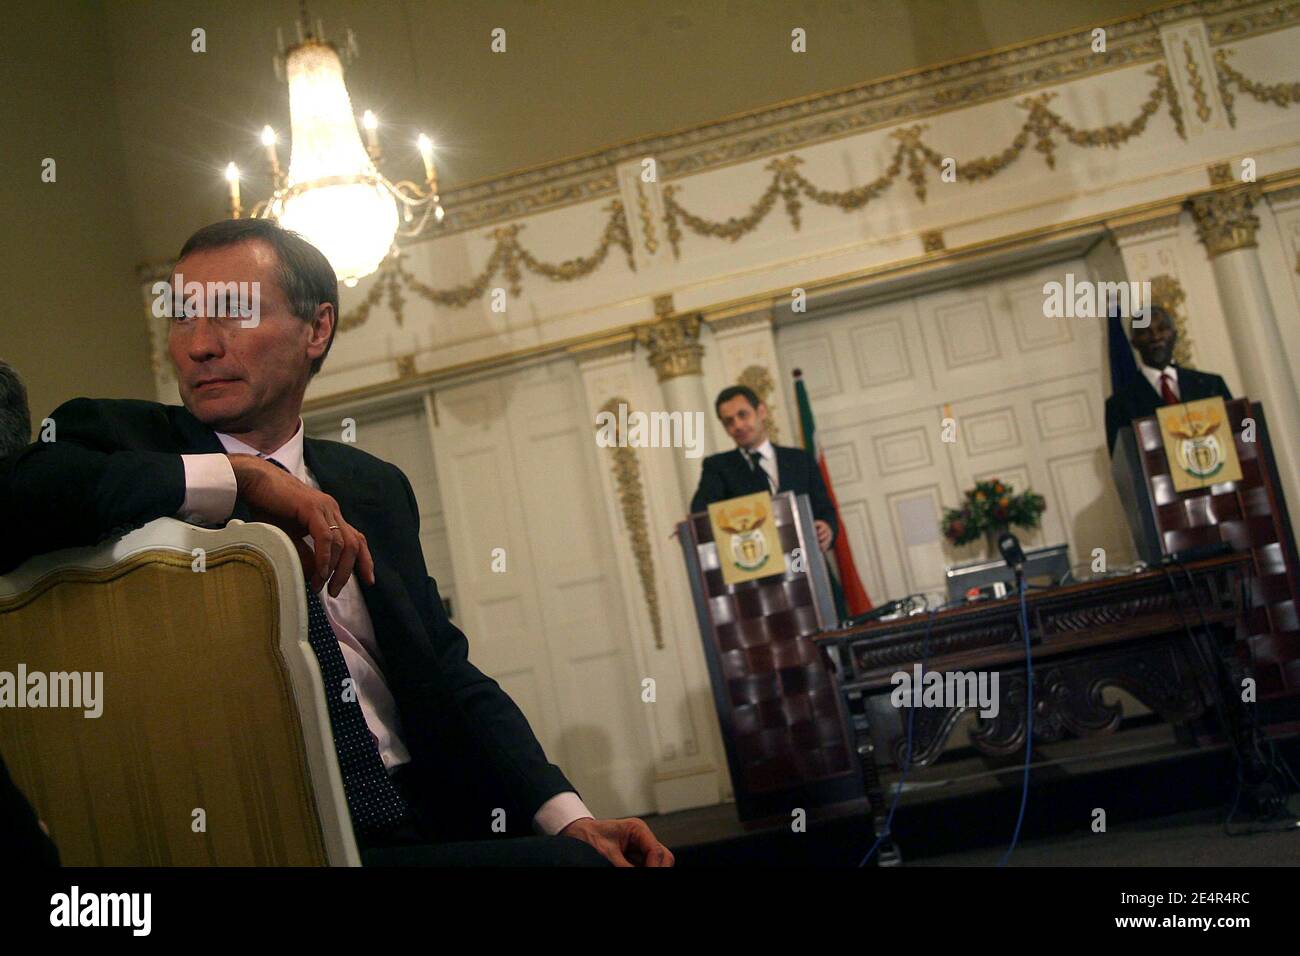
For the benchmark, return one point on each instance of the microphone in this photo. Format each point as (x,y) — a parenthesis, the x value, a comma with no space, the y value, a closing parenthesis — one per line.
(1012,553)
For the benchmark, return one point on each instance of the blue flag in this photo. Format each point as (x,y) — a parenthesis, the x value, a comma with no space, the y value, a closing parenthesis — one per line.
(1123,367)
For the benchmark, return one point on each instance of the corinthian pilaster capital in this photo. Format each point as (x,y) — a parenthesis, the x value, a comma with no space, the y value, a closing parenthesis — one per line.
(1225,220)
(674,345)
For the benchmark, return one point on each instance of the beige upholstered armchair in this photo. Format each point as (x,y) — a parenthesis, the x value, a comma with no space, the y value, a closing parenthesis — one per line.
(213,744)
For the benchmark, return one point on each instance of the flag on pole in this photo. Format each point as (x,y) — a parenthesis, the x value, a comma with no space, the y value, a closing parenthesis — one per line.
(854,595)
(1123,367)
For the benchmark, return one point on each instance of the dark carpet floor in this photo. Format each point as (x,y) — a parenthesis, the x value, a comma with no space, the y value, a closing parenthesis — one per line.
(1169,813)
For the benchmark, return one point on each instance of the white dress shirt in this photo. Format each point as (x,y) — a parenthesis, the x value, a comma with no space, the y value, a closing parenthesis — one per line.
(210,491)
(1153,376)
(768,463)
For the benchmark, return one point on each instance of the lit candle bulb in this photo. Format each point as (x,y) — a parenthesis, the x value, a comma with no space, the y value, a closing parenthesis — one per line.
(269,141)
(371,123)
(232,177)
(426,153)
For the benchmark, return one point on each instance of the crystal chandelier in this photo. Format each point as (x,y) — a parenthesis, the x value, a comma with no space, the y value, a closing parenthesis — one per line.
(334,194)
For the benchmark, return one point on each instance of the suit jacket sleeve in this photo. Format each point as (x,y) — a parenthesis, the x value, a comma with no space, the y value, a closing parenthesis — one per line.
(711,487)
(498,731)
(82,487)
(1221,388)
(22,841)
(820,498)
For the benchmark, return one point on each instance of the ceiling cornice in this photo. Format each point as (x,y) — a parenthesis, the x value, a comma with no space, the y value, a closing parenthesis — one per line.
(913,94)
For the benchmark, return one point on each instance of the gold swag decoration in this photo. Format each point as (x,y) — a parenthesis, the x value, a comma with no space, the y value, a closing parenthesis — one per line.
(1279,94)
(1041,125)
(911,155)
(508,257)
(631,496)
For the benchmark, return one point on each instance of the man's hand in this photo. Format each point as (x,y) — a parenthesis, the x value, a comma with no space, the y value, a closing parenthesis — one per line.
(824,534)
(626,842)
(278,498)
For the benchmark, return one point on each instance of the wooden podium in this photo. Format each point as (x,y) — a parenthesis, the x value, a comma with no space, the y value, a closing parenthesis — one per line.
(778,707)
(1250,515)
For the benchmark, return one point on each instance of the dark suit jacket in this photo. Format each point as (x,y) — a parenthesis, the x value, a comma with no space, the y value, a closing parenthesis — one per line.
(22,841)
(116,465)
(727,475)
(1140,400)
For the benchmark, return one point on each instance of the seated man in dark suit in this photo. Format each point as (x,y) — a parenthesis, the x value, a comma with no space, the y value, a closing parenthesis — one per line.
(1162,382)
(757,465)
(436,758)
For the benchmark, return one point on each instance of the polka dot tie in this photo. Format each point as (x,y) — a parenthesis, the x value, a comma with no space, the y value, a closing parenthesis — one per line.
(373,800)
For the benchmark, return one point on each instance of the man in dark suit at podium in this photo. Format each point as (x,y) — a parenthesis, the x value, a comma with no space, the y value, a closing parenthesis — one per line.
(758,465)
(1161,382)
(432,751)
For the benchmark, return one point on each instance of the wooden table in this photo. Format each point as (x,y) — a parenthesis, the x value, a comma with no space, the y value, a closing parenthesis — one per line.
(1164,635)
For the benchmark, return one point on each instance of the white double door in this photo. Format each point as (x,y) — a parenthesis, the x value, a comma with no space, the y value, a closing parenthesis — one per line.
(1025,395)
(514,532)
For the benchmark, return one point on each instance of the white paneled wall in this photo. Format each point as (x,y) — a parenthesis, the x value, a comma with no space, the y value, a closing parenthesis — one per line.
(401,436)
(1026,393)
(518,473)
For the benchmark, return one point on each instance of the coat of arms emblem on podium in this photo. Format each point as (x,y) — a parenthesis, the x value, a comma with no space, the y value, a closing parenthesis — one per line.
(745,532)
(1199,444)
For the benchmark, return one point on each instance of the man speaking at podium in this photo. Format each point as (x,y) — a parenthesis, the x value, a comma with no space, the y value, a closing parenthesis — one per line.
(1162,382)
(758,465)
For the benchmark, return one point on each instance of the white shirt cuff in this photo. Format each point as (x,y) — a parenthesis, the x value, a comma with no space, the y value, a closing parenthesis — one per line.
(558,812)
(210,489)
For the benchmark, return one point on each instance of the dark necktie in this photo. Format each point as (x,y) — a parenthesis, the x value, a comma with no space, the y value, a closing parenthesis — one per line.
(1167,389)
(756,461)
(373,800)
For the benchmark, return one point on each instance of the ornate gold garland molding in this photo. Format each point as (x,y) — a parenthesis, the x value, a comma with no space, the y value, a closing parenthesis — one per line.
(631,496)
(1279,94)
(889,100)
(1042,125)
(722,313)
(911,95)
(507,257)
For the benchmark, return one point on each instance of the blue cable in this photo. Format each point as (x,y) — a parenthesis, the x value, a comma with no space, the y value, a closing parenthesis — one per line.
(1029,723)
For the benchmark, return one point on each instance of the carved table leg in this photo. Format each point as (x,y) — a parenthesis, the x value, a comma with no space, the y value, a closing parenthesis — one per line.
(887,853)
(1263,796)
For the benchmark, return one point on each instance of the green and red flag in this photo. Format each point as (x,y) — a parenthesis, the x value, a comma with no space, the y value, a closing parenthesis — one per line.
(854,594)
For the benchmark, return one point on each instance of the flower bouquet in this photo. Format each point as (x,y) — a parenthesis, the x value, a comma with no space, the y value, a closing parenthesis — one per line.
(990,508)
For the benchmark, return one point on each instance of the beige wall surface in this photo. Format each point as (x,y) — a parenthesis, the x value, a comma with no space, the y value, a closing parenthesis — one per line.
(71,323)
